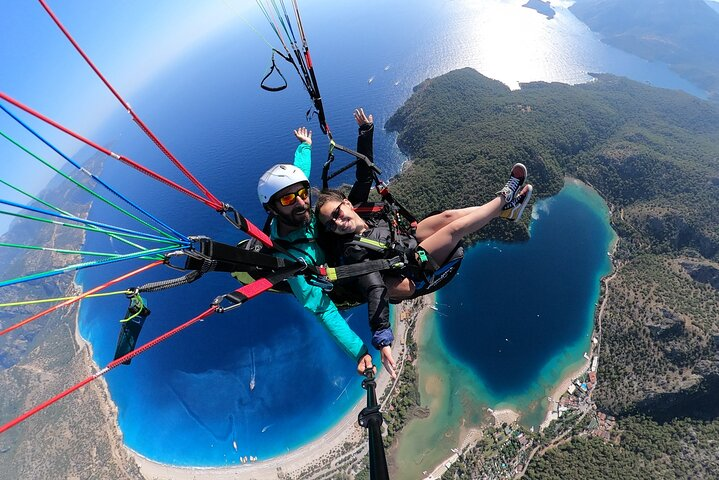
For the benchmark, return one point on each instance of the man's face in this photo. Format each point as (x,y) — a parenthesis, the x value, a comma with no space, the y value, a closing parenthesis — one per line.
(296,211)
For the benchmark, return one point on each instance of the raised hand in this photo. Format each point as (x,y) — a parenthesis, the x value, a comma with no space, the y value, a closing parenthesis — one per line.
(361,118)
(303,135)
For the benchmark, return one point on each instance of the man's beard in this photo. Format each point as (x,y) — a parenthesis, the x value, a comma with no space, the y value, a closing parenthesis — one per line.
(294,219)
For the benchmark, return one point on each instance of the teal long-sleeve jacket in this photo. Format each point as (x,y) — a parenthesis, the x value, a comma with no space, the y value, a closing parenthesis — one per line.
(311,297)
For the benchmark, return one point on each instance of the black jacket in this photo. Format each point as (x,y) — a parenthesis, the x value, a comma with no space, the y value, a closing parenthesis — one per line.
(371,285)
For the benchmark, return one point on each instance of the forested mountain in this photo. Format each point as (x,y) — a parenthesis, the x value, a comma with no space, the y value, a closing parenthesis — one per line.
(681,33)
(653,154)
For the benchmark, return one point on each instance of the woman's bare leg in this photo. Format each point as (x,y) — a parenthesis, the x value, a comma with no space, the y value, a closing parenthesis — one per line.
(441,243)
(433,224)
(399,288)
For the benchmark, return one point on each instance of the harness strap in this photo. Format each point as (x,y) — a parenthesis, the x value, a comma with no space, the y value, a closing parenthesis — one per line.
(239,296)
(426,262)
(363,268)
(369,244)
(229,258)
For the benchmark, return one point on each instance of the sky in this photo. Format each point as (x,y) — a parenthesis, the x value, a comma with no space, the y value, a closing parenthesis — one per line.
(130,42)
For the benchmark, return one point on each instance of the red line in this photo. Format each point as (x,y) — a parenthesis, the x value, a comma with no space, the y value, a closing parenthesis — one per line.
(45,404)
(157,340)
(80,297)
(251,290)
(104,150)
(211,200)
(102,372)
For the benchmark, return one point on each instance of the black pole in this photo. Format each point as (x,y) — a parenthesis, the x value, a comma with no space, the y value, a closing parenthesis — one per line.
(371,418)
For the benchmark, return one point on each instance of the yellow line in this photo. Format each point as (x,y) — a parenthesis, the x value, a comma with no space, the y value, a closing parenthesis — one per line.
(62,299)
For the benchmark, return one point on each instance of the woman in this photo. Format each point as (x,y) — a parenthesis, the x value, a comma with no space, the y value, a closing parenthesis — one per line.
(356,239)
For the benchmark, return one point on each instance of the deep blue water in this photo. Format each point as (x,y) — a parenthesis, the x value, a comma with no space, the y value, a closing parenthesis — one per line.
(518,305)
(186,400)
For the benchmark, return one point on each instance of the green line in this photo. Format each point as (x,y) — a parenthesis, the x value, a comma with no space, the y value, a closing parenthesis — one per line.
(91,228)
(57,209)
(139,299)
(282,21)
(237,11)
(78,266)
(88,190)
(72,252)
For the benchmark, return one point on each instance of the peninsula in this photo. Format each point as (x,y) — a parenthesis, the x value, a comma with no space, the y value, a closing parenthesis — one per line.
(652,154)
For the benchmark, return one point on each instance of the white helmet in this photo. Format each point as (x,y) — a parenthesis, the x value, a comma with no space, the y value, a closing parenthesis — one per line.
(276,178)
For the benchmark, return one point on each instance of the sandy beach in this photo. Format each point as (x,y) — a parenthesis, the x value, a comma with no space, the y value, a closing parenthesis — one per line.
(329,447)
(560,390)
(306,458)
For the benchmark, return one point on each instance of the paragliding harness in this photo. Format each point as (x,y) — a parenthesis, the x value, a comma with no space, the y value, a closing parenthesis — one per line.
(400,255)
(417,265)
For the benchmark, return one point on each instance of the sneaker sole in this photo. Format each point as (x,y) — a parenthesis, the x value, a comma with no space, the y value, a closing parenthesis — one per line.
(524,204)
(521,179)
(524,169)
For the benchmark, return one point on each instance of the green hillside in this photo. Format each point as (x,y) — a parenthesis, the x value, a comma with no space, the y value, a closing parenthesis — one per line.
(681,33)
(653,154)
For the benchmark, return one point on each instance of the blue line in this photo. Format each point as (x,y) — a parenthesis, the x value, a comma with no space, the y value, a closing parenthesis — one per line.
(89,222)
(80,266)
(98,180)
(294,40)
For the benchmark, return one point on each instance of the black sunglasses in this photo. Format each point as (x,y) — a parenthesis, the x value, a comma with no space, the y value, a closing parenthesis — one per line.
(331,225)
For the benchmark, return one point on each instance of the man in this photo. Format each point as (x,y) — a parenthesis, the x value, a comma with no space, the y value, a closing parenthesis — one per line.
(284,191)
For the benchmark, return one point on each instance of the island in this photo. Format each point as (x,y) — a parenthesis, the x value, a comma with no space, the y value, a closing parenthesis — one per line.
(545,8)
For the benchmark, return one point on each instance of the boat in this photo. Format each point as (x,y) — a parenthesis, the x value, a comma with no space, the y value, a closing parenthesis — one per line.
(252,370)
(234,444)
(434,308)
(371,79)
(386,67)
(396,83)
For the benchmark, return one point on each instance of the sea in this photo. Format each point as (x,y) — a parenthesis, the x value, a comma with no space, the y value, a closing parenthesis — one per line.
(508,327)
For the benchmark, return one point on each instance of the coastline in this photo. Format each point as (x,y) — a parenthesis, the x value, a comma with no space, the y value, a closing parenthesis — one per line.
(311,455)
(305,458)
(594,350)
(111,426)
(470,436)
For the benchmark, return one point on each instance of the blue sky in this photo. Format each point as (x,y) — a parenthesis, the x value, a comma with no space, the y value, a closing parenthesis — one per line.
(130,42)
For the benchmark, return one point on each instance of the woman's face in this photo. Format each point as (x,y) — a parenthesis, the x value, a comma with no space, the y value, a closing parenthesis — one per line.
(340,218)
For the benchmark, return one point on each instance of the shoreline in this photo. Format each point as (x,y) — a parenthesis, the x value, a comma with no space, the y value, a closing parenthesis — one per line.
(594,350)
(303,458)
(308,456)
(469,436)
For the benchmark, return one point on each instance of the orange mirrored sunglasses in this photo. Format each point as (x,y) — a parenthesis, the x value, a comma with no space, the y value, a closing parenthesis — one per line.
(290,198)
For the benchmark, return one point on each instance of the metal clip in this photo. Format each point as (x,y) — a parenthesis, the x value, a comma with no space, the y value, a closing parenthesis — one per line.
(228,209)
(323,283)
